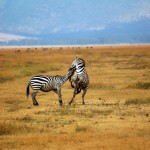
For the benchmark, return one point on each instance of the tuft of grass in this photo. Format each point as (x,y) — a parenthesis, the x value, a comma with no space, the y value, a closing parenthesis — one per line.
(94,85)
(92,113)
(141,85)
(81,128)
(14,104)
(8,128)
(5,78)
(137,101)
(26,119)
(102,112)
(65,111)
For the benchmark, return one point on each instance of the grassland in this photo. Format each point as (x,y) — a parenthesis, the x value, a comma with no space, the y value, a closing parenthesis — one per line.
(116,115)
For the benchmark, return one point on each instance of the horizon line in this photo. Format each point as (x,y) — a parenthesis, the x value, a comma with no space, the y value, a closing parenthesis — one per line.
(89,45)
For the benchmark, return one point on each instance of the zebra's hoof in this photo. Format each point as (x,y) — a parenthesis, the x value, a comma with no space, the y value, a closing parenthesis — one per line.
(70,102)
(36,104)
(60,103)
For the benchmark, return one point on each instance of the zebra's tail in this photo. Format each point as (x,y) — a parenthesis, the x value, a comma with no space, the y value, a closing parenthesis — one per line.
(28,90)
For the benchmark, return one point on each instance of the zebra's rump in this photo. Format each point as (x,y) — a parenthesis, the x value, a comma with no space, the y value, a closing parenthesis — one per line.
(39,83)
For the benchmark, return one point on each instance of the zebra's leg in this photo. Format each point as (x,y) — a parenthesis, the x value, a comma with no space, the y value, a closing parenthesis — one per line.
(83,94)
(74,94)
(78,84)
(78,88)
(59,96)
(34,99)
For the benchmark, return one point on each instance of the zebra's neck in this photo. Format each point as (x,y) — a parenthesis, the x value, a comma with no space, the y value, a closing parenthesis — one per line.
(65,78)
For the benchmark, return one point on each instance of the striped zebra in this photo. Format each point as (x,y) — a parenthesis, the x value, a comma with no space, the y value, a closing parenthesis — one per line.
(80,78)
(48,83)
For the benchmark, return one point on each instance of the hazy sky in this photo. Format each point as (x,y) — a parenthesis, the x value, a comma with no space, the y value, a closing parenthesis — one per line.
(23,18)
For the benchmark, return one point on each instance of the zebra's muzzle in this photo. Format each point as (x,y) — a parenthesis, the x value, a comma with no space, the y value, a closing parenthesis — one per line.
(72,68)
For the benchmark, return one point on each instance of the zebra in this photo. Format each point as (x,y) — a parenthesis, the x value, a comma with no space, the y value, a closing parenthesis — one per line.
(80,79)
(48,83)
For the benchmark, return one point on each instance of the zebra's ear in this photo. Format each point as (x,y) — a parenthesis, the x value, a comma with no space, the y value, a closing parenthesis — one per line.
(76,57)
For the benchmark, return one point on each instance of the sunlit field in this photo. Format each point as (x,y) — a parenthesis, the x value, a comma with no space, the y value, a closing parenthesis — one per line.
(116,114)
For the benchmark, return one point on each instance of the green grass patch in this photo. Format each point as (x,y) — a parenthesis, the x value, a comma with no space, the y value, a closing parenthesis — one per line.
(32,69)
(13,70)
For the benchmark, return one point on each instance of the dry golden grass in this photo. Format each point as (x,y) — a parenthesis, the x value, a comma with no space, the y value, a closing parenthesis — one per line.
(116,114)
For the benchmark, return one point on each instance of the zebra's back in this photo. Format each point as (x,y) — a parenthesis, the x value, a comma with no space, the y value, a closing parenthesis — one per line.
(45,83)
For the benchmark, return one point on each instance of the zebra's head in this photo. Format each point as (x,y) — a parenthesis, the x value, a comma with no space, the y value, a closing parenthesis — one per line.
(77,63)
(71,71)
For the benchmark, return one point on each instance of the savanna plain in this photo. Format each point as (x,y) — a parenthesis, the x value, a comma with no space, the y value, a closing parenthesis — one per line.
(116,114)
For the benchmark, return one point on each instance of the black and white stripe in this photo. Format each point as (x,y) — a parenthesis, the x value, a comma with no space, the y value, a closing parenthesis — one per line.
(48,83)
(80,78)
